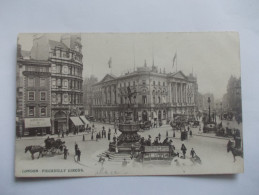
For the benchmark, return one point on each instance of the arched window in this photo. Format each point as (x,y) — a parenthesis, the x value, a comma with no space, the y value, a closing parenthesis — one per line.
(164,115)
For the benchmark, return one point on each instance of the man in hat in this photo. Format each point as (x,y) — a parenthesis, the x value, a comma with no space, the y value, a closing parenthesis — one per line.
(78,154)
(65,152)
(183,148)
(192,153)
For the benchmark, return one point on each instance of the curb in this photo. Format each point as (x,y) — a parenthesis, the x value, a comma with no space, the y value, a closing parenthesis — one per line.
(212,137)
(44,137)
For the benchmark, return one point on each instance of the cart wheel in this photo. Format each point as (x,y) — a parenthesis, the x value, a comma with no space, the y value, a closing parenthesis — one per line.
(53,151)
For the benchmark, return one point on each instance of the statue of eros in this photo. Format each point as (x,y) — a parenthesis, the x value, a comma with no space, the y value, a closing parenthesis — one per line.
(130,94)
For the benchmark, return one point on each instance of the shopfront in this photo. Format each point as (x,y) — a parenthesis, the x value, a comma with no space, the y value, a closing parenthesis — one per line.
(76,125)
(37,126)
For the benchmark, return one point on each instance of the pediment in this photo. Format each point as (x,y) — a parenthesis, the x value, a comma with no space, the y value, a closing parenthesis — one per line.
(179,75)
(108,77)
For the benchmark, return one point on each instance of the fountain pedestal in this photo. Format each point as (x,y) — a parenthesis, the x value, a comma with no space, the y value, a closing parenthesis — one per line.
(129,137)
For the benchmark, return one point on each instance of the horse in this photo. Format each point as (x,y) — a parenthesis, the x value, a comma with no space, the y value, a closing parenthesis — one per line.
(235,152)
(34,149)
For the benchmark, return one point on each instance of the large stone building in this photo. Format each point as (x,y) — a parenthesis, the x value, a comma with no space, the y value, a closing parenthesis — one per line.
(65,66)
(158,96)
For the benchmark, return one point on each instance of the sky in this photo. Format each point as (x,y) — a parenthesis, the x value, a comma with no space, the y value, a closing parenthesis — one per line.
(212,56)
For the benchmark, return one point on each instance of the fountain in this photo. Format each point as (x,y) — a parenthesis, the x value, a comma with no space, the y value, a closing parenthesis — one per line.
(129,137)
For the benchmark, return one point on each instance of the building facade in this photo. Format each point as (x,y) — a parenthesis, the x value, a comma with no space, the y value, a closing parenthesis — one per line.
(65,96)
(156,96)
(33,96)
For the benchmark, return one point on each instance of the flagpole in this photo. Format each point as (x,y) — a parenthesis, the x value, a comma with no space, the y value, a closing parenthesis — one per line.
(176,61)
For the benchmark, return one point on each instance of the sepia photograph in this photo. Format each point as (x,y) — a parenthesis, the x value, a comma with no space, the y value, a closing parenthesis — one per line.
(120,104)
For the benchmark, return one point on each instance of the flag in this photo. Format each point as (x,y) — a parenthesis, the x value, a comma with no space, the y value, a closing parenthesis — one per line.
(174,59)
(110,62)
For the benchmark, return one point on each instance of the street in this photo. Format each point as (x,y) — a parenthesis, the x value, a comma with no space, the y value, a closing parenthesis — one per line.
(211,150)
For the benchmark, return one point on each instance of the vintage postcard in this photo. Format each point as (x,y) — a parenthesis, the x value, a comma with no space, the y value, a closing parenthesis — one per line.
(112,104)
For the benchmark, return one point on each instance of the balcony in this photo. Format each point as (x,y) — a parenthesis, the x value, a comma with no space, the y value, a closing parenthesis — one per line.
(67,76)
(60,89)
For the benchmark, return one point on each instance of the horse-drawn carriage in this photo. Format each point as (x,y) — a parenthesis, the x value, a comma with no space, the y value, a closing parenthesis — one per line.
(196,124)
(145,125)
(51,148)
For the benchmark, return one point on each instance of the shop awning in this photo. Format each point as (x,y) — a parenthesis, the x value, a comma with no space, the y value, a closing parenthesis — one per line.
(76,120)
(36,122)
(84,120)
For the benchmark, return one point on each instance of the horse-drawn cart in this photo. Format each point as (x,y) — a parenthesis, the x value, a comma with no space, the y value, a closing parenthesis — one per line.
(53,146)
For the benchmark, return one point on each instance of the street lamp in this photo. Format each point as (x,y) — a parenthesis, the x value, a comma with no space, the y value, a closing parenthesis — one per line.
(221,111)
(209,107)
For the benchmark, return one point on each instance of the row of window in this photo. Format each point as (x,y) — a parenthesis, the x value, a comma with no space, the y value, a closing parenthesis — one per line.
(143,83)
(32,113)
(66,54)
(31,96)
(66,83)
(31,82)
(65,98)
(38,69)
(158,100)
(69,70)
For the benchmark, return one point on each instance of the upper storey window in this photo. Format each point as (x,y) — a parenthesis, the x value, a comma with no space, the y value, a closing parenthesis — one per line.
(53,68)
(65,70)
(42,69)
(31,68)
(31,82)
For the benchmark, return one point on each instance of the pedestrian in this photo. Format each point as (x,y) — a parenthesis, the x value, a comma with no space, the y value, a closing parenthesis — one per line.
(190,133)
(109,135)
(76,147)
(167,134)
(102,133)
(65,152)
(124,163)
(96,136)
(63,134)
(174,134)
(132,150)
(78,154)
(67,132)
(183,148)
(192,153)
(58,133)
(159,136)
(92,136)
(83,138)
(115,131)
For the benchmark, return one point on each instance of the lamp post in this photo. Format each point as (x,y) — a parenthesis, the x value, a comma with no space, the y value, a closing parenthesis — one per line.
(221,111)
(209,108)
